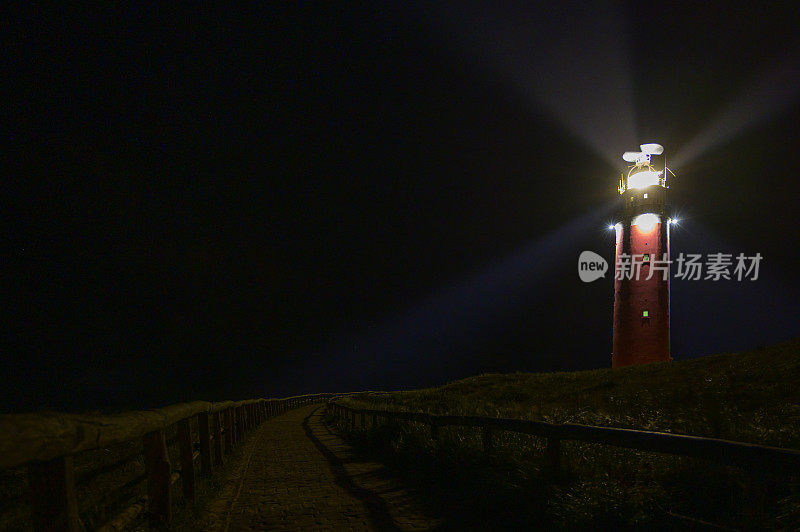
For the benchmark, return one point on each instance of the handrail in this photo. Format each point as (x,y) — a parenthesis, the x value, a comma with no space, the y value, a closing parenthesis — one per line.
(48,435)
(47,442)
(750,456)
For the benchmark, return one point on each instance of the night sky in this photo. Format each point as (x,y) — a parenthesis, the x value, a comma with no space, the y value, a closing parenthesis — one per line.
(207,202)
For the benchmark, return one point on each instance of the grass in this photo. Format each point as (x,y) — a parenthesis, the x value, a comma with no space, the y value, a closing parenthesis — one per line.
(752,397)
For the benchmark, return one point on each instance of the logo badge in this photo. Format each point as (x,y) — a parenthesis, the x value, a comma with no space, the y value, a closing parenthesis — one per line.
(591,266)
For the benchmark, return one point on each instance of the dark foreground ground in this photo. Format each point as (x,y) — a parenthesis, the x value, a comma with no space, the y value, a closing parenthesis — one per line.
(752,396)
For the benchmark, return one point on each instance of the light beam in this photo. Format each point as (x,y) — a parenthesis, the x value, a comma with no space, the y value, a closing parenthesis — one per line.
(776,90)
(571,60)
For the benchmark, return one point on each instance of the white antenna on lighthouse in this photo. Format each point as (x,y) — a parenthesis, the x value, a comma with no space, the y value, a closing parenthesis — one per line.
(652,149)
(643,157)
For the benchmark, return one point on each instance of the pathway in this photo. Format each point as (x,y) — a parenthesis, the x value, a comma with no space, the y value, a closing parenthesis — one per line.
(294,473)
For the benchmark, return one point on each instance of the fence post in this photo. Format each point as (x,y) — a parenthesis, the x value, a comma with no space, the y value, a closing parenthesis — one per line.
(755,501)
(54,503)
(487,439)
(228,430)
(205,443)
(363,420)
(374,419)
(553,454)
(231,412)
(217,439)
(187,458)
(434,431)
(239,424)
(157,466)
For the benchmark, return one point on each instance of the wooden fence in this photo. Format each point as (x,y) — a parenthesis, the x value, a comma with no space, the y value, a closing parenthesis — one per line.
(757,460)
(47,443)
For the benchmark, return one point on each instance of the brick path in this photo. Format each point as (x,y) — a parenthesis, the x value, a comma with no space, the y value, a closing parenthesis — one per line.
(295,474)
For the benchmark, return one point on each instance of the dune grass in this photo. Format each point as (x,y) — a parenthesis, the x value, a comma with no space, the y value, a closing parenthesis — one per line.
(752,396)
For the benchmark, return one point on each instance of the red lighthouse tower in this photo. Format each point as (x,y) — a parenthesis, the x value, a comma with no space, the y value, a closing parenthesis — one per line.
(641,280)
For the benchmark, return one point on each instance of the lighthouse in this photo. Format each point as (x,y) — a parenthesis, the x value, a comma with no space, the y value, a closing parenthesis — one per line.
(641,259)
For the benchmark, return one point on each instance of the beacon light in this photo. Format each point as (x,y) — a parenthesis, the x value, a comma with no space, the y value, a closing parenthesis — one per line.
(645,222)
(644,179)
(610,227)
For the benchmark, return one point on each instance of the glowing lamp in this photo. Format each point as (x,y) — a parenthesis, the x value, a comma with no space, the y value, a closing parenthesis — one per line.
(643,179)
(646,222)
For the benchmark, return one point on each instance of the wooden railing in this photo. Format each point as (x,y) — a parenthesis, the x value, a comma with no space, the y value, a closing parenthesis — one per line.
(47,443)
(757,460)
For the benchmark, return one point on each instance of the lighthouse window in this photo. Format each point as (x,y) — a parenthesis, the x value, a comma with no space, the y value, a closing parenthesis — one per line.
(645,313)
(646,257)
